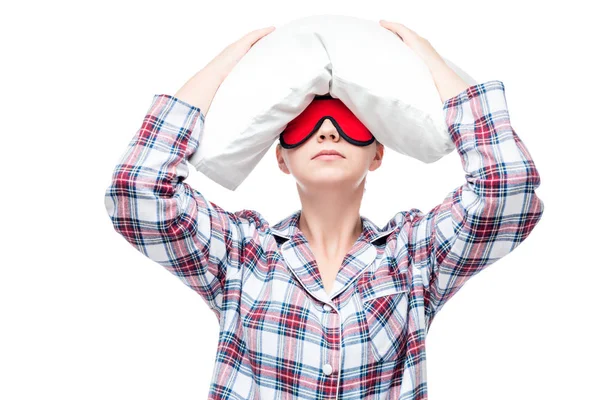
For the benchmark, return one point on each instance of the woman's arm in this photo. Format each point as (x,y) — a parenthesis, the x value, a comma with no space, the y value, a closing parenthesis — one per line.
(157,212)
(487,217)
(164,218)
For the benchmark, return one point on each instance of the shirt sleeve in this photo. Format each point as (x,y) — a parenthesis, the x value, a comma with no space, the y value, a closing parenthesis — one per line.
(489,215)
(157,212)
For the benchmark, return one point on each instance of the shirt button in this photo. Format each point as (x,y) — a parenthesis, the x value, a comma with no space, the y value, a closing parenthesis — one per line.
(327,307)
(327,369)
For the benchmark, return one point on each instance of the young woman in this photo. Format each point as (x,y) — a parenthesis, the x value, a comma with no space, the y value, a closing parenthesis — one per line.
(324,304)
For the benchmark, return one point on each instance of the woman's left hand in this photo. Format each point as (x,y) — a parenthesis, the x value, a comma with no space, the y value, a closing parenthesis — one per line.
(418,44)
(447,82)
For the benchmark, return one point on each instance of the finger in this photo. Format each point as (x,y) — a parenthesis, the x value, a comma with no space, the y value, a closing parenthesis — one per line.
(392,27)
(398,27)
(252,37)
(268,30)
(257,33)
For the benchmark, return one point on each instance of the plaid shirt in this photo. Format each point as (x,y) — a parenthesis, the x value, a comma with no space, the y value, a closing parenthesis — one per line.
(281,335)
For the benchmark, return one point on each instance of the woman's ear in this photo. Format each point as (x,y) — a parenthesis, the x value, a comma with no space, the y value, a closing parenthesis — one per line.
(380,148)
(280,159)
(378,159)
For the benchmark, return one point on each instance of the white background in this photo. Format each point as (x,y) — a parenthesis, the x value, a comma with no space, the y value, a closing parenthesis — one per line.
(85,316)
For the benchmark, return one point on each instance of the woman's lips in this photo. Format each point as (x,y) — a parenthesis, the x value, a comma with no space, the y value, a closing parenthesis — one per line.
(328,157)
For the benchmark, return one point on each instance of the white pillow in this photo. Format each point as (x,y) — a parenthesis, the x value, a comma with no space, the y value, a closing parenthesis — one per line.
(370,69)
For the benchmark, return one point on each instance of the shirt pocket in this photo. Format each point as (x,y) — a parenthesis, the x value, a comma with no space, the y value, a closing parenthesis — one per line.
(384,298)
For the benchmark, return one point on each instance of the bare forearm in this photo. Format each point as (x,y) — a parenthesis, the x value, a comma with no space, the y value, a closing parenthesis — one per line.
(200,89)
(448,83)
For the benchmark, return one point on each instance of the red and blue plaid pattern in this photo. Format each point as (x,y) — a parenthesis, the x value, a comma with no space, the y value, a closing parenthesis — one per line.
(281,335)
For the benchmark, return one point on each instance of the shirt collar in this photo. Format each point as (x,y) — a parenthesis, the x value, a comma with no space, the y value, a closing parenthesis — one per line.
(287,227)
(301,261)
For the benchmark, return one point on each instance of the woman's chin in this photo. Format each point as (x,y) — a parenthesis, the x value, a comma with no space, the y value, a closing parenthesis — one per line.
(329,181)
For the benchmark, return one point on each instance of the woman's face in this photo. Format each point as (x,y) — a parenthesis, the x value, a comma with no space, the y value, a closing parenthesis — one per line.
(315,173)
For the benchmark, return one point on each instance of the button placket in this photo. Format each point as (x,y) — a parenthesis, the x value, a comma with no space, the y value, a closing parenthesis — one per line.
(330,317)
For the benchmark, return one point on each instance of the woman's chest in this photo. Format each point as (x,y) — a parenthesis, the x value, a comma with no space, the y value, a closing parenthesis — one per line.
(328,269)
(280,310)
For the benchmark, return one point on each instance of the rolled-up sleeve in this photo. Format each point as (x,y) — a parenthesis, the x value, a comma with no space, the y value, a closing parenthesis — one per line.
(489,215)
(157,212)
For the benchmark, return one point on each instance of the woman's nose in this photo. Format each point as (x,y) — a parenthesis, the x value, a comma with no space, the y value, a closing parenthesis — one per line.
(328,130)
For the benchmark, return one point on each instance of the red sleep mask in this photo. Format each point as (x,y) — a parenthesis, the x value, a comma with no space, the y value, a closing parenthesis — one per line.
(308,122)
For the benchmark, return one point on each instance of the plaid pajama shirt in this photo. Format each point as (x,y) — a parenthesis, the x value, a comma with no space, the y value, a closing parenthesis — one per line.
(281,335)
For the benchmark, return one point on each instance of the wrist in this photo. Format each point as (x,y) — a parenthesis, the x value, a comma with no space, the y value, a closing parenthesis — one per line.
(447,82)
(201,88)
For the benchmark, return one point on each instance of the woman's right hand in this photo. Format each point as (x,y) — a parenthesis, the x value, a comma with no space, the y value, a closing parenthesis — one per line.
(224,62)
(200,89)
